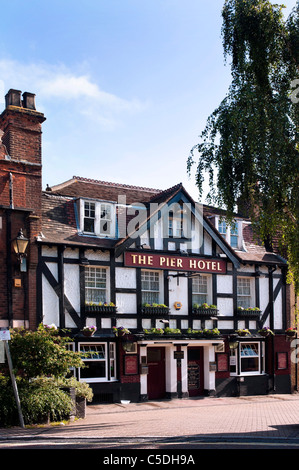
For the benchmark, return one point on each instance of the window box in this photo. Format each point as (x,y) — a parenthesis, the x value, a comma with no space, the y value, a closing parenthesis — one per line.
(157,310)
(205,310)
(249,312)
(172,331)
(100,308)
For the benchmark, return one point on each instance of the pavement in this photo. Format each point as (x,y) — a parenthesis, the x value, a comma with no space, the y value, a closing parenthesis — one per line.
(271,418)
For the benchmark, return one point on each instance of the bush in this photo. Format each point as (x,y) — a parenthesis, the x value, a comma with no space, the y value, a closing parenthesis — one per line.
(41,360)
(82,389)
(8,408)
(43,400)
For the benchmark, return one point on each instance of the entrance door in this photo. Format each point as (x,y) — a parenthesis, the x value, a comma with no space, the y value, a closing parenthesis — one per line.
(195,372)
(156,387)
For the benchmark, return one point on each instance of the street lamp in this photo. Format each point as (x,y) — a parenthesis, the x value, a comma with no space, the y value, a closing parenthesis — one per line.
(19,245)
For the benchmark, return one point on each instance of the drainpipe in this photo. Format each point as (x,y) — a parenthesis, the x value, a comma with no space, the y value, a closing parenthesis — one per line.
(8,251)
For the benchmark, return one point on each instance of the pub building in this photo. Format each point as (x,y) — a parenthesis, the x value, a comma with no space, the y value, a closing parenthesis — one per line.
(183,304)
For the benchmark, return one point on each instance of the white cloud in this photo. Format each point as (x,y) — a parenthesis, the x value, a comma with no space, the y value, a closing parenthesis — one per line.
(57,81)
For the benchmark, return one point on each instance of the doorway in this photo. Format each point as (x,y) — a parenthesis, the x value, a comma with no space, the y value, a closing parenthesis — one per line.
(156,385)
(195,372)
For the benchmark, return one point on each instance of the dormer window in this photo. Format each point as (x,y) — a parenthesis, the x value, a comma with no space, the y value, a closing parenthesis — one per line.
(234,235)
(89,216)
(97,218)
(230,232)
(222,228)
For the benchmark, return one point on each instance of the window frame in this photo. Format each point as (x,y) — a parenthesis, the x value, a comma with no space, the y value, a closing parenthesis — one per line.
(158,292)
(98,218)
(250,296)
(95,288)
(208,292)
(222,228)
(234,235)
(109,360)
(237,359)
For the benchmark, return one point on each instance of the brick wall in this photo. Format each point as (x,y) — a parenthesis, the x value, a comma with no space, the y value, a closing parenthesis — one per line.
(20,206)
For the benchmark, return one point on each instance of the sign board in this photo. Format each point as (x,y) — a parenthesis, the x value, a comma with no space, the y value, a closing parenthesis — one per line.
(175,263)
(131,365)
(4,335)
(178,354)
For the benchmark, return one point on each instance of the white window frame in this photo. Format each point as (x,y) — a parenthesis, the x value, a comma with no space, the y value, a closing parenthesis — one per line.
(100,218)
(236,358)
(250,296)
(90,207)
(108,359)
(204,281)
(231,232)
(234,235)
(222,228)
(97,279)
(151,275)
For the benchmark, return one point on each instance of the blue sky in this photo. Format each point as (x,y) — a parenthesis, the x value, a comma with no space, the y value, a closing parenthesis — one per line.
(126,85)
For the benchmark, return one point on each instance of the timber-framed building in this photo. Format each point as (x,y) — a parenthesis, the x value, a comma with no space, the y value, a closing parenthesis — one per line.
(182,302)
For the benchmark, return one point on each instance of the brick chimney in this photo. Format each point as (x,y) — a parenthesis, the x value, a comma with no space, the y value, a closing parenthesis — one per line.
(20,205)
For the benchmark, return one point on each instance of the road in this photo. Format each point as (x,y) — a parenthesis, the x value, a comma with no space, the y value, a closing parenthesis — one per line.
(261,422)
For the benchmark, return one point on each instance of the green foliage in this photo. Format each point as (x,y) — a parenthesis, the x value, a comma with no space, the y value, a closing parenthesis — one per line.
(82,389)
(8,409)
(41,360)
(42,352)
(42,399)
(249,147)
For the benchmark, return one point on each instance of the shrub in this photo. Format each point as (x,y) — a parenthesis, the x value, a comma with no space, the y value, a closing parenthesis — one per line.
(42,399)
(41,360)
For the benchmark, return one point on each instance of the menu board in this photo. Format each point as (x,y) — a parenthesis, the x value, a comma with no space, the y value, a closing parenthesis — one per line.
(282,360)
(193,376)
(222,362)
(131,365)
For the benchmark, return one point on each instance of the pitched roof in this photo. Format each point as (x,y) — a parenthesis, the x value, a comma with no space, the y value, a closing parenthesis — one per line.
(95,189)
(60,224)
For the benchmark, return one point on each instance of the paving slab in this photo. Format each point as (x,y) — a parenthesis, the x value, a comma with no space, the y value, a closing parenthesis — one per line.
(273,417)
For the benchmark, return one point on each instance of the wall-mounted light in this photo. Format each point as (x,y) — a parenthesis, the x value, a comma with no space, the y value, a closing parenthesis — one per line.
(20,244)
(232,342)
(129,346)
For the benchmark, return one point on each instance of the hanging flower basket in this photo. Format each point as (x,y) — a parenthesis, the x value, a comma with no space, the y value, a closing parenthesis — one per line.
(89,330)
(291,332)
(120,331)
(265,332)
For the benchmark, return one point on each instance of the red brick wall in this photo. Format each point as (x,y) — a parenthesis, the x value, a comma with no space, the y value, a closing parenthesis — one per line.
(21,172)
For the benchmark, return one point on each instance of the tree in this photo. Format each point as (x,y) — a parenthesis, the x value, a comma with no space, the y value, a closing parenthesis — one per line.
(43,352)
(249,147)
(42,360)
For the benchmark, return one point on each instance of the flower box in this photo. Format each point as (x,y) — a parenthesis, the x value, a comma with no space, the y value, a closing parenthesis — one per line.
(160,311)
(205,312)
(249,312)
(111,309)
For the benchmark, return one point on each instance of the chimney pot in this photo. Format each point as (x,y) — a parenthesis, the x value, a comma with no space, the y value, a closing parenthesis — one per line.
(29,100)
(13,98)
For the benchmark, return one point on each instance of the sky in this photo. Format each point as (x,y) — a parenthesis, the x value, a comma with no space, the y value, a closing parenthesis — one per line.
(126,85)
